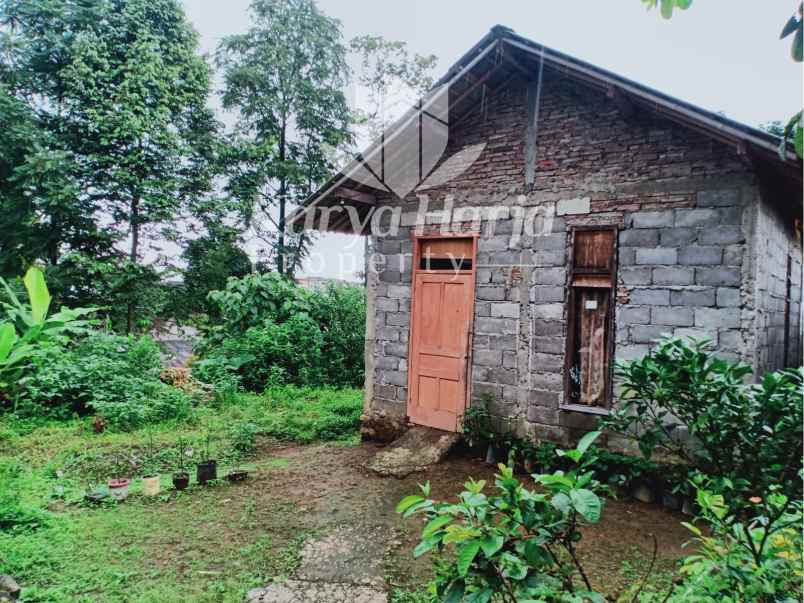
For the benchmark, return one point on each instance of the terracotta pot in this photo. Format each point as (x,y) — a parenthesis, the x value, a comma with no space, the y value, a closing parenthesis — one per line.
(118,488)
(206,471)
(181,480)
(150,485)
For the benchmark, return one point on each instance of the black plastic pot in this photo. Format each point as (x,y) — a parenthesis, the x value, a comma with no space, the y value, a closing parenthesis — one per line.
(181,480)
(206,471)
(671,501)
(237,476)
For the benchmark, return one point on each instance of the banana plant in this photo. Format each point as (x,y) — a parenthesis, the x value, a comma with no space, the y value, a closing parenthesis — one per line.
(28,325)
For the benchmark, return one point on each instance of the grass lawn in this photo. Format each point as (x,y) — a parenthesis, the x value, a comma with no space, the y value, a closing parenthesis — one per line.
(213,543)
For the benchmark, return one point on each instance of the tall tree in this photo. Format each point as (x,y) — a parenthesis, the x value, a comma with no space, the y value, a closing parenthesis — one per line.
(284,77)
(120,87)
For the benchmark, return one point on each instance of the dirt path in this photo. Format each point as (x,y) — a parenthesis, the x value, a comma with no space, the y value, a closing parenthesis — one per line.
(360,541)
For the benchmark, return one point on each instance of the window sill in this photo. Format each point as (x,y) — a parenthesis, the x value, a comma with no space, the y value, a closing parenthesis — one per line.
(582,408)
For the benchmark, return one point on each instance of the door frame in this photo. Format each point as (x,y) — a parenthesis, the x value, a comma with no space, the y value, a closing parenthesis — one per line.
(418,239)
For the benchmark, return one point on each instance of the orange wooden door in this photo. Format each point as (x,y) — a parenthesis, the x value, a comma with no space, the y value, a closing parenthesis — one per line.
(442,318)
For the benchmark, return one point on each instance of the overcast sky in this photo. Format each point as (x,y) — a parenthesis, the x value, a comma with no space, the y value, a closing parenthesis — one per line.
(724,55)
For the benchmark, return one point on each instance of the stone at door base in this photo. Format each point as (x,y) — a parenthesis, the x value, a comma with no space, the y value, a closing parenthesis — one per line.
(298,591)
(417,449)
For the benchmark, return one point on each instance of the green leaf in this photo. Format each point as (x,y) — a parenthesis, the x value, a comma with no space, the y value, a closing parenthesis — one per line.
(587,441)
(587,503)
(425,546)
(8,337)
(491,544)
(466,554)
(561,502)
(455,592)
(408,502)
(797,50)
(435,525)
(37,293)
(683,4)
(667,8)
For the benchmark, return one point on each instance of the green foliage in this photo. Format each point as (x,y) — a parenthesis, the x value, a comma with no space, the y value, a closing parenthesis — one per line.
(476,423)
(748,433)
(519,544)
(755,555)
(114,376)
(17,515)
(271,332)
(667,6)
(285,78)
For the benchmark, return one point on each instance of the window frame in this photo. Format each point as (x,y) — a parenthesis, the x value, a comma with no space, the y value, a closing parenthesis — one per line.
(572,318)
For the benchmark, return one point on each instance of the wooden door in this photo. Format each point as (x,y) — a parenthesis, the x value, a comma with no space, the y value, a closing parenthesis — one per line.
(440,342)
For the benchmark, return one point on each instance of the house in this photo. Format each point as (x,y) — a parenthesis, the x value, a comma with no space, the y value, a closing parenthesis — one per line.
(535,218)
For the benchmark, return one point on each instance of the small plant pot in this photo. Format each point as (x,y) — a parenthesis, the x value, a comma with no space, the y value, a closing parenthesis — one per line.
(671,502)
(643,492)
(491,458)
(237,476)
(96,497)
(181,480)
(206,471)
(118,488)
(150,485)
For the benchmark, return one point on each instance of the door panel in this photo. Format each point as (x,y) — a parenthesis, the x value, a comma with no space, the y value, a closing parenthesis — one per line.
(442,313)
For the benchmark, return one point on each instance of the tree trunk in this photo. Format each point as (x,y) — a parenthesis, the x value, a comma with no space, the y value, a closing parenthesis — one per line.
(280,239)
(135,244)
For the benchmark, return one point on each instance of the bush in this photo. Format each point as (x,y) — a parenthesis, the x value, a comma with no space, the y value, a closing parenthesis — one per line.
(117,377)
(749,433)
(272,332)
(15,514)
(517,545)
(752,556)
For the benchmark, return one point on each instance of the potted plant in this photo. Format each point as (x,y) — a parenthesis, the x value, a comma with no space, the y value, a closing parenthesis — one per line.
(207,468)
(118,485)
(96,495)
(476,427)
(529,451)
(150,479)
(237,475)
(181,479)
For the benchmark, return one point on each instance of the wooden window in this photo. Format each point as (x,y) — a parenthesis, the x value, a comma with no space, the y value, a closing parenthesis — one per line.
(591,311)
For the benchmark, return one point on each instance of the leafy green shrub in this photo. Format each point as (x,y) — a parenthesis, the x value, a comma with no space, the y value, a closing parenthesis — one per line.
(749,433)
(115,376)
(243,436)
(270,332)
(752,556)
(509,545)
(254,357)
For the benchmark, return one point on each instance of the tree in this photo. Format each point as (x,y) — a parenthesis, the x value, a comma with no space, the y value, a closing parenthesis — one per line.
(284,77)
(121,91)
(211,260)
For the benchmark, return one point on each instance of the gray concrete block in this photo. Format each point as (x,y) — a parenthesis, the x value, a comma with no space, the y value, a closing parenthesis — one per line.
(639,237)
(548,311)
(578,205)
(628,315)
(502,375)
(730,215)
(704,297)
(718,198)
(386,304)
(648,333)
(549,258)
(393,377)
(399,291)
(386,362)
(650,297)
(672,316)
(551,242)
(626,256)
(547,328)
(397,319)
(631,352)
(721,235)
(717,276)
(697,217)
(550,276)
(713,318)
(507,310)
(674,237)
(548,363)
(549,381)
(389,276)
(696,256)
(502,342)
(636,276)
(400,350)
(658,255)
(491,293)
(728,297)
(731,340)
(487,357)
(673,276)
(653,219)
(542,414)
(547,294)
(690,332)
(509,359)
(498,326)
(387,333)
(549,345)
(544,397)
